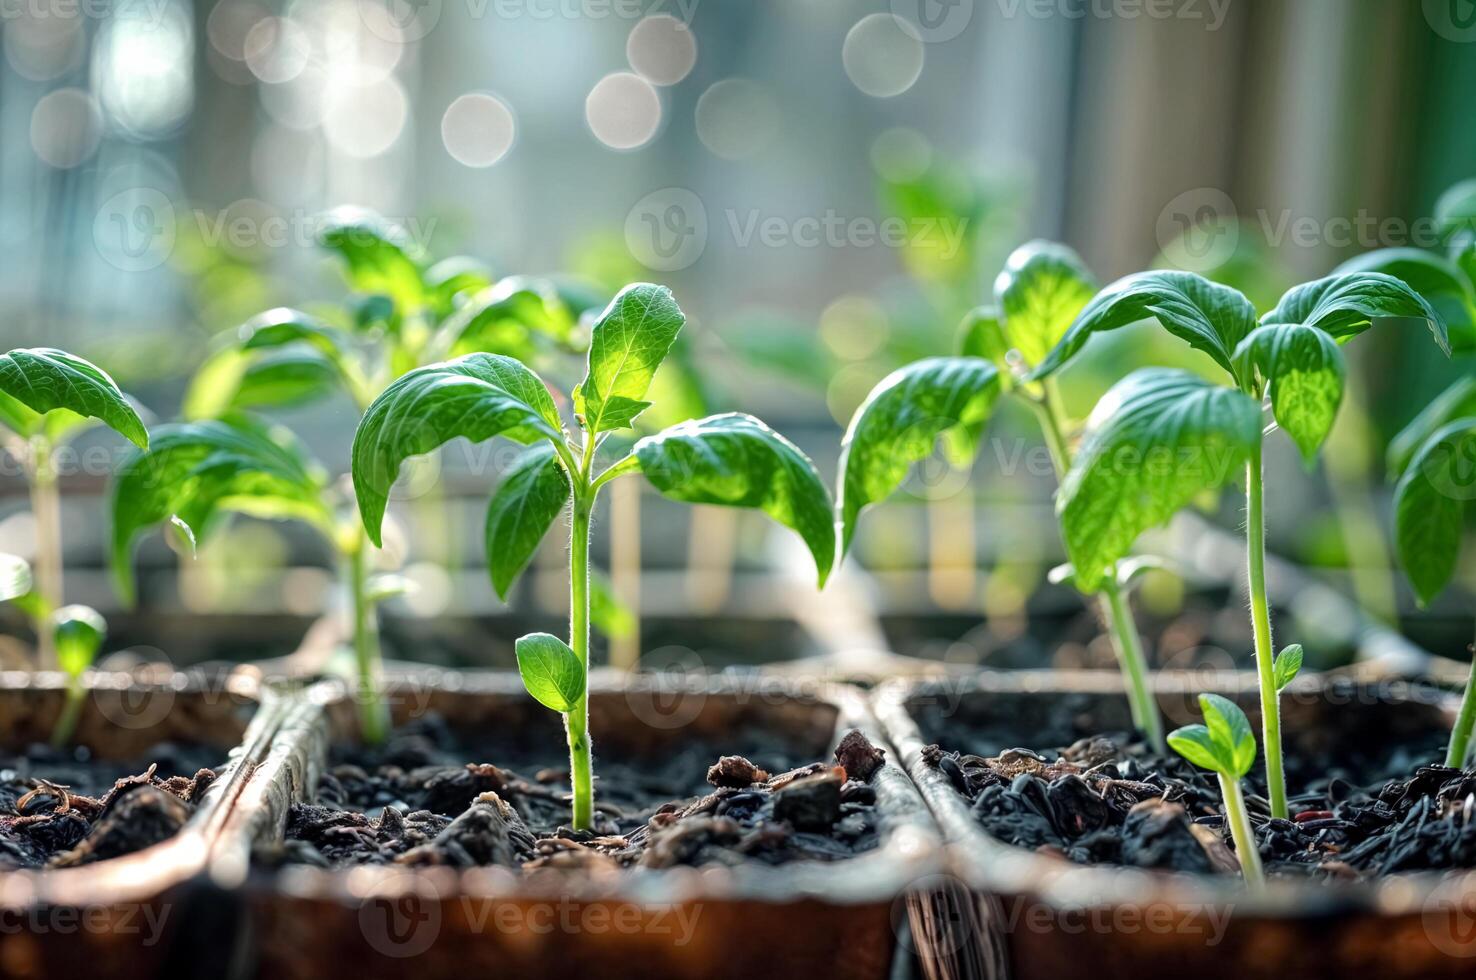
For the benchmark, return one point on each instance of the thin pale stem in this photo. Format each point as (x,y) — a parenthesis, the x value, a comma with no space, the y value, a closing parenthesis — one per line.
(576,721)
(374,722)
(1241,832)
(1460,735)
(66,723)
(46,511)
(1255,533)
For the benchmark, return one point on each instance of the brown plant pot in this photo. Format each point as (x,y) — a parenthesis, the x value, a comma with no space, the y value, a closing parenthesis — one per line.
(805,919)
(1011,912)
(127,916)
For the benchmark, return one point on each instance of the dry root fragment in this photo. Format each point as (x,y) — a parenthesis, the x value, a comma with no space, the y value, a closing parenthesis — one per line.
(858,756)
(736,772)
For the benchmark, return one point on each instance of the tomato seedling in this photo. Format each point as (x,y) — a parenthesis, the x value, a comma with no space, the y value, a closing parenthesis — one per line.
(1225,746)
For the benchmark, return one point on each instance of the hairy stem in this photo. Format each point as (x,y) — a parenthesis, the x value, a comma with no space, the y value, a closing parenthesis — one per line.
(1116,611)
(576,721)
(46,511)
(1255,533)
(1460,735)
(374,720)
(1241,833)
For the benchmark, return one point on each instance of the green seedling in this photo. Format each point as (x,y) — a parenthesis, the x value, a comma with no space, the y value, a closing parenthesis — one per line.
(1225,746)
(1434,459)
(733,460)
(47,398)
(78,632)
(1038,295)
(1161,437)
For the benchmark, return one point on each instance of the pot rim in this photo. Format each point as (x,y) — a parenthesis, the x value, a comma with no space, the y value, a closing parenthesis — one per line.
(910,848)
(991,866)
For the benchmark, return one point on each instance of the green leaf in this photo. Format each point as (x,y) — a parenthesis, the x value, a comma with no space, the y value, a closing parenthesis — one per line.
(79,632)
(737,461)
(1456,402)
(551,671)
(505,318)
(1194,743)
(197,470)
(1156,440)
(1042,289)
(1207,316)
(1455,210)
(476,397)
(982,335)
(1231,732)
(1306,372)
(15,577)
(1286,666)
(627,345)
(286,379)
(283,325)
(450,279)
(44,380)
(1443,284)
(530,497)
(607,613)
(1347,305)
(379,255)
(900,422)
(1429,506)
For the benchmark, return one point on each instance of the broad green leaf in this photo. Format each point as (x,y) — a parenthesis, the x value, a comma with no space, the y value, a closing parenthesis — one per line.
(475,397)
(1306,373)
(1347,305)
(197,470)
(1443,284)
(1429,506)
(1286,666)
(1456,402)
(627,345)
(900,422)
(45,380)
(551,671)
(1156,440)
(1042,289)
(380,256)
(1207,316)
(982,335)
(530,497)
(1194,743)
(79,632)
(15,577)
(737,461)
(1230,730)
(283,325)
(505,318)
(450,279)
(286,379)
(1455,210)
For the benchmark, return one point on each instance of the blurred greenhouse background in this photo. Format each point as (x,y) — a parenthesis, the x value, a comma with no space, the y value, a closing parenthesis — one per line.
(827,186)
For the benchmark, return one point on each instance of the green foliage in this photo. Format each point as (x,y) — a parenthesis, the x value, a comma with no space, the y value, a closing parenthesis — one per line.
(1287,665)
(1456,402)
(627,345)
(79,632)
(1430,503)
(48,392)
(1306,373)
(1441,281)
(1346,305)
(1223,744)
(1041,290)
(379,257)
(531,496)
(551,671)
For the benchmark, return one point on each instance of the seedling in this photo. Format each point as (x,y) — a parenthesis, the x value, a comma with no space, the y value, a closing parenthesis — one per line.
(47,398)
(78,632)
(1041,290)
(1225,746)
(1160,437)
(1435,461)
(733,460)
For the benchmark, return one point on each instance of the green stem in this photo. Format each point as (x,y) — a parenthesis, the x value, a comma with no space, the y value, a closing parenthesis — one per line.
(374,720)
(576,721)
(46,511)
(66,723)
(1255,532)
(1118,614)
(1241,833)
(1460,735)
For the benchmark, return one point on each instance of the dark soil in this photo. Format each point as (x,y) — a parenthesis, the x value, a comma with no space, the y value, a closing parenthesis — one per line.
(61,808)
(418,800)
(1360,807)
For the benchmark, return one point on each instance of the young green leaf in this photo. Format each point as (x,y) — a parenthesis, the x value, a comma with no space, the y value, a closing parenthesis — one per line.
(1041,290)
(1195,743)
(551,671)
(1347,305)
(1223,744)
(530,497)
(284,380)
(476,397)
(15,577)
(505,318)
(282,326)
(1429,506)
(627,345)
(1456,402)
(79,632)
(196,470)
(737,461)
(900,422)
(380,255)
(1287,665)
(1443,283)
(1455,210)
(43,380)
(982,335)
(1306,372)
(1207,316)
(1157,439)
(450,280)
